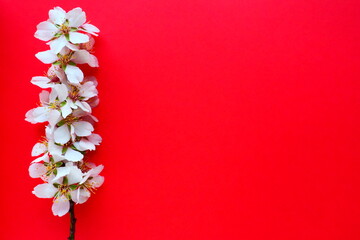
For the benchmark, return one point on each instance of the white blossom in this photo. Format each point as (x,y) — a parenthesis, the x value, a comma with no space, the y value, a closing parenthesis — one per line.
(62,152)
(70,183)
(65,29)
(51,104)
(66,103)
(55,75)
(68,59)
(88,143)
(60,189)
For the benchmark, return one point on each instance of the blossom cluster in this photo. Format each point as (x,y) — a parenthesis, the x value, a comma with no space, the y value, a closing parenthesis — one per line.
(66,103)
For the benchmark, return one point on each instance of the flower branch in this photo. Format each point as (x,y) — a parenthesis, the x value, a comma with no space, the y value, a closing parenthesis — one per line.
(66,104)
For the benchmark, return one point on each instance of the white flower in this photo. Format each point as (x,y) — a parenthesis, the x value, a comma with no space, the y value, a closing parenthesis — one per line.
(90,182)
(60,189)
(88,143)
(64,29)
(51,104)
(79,94)
(70,128)
(45,169)
(66,105)
(58,152)
(55,75)
(67,60)
(61,152)
(66,170)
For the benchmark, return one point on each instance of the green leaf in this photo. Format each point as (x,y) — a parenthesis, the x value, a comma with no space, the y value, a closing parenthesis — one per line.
(59,124)
(74,148)
(64,150)
(55,171)
(58,34)
(71,63)
(62,103)
(67,37)
(56,194)
(57,63)
(73,187)
(56,185)
(65,181)
(58,164)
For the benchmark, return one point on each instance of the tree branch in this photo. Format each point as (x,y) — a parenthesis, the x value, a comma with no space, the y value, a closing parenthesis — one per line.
(72,220)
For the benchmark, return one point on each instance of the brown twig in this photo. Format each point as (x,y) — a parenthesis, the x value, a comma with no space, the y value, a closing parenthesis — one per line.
(72,220)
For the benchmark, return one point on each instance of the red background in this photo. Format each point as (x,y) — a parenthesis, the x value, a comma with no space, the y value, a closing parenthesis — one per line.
(220,119)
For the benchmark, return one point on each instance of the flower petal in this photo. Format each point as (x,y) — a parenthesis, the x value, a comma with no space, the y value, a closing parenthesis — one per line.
(76,17)
(80,195)
(83,128)
(60,206)
(57,15)
(93,61)
(88,46)
(76,37)
(39,148)
(62,134)
(73,155)
(93,172)
(80,57)
(75,175)
(45,31)
(72,46)
(84,106)
(41,114)
(96,181)
(37,115)
(53,119)
(84,145)
(44,97)
(47,57)
(29,116)
(61,172)
(83,56)
(61,91)
(95,138)
(58,44)
(90,29)
(43,158)
(45,190)
(88,89)
(74,74)
(54,150)
(94,101)
(72,133)
(37,170)
(97,170)
(66,110)
(40,81)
